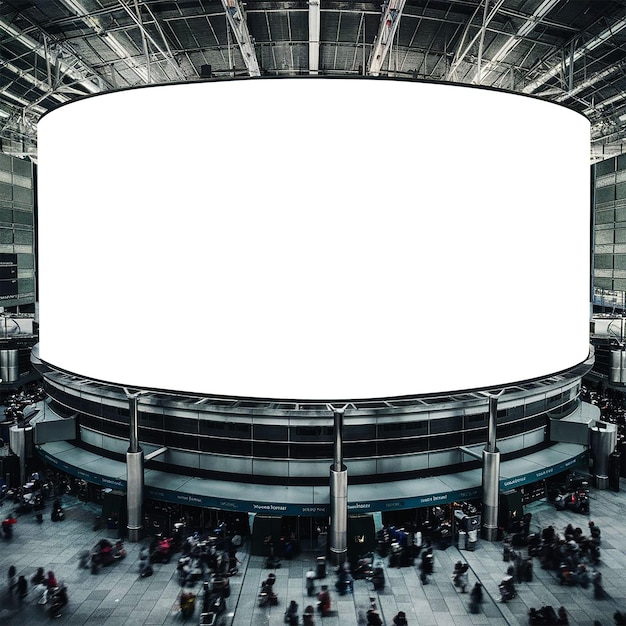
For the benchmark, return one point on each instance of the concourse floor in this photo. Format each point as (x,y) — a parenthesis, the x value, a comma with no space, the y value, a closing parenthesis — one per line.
(117,595)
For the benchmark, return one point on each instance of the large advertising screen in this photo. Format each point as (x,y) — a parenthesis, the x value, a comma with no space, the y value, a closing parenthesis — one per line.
(313,238)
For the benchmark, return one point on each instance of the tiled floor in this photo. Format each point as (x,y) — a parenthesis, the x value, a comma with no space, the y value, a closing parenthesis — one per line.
(117,595)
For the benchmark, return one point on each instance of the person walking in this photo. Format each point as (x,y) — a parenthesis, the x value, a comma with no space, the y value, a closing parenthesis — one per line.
(11,579)
(476,598)
(22,588)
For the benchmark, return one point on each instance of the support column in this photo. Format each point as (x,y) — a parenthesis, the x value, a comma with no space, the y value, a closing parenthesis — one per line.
(491,477)
(20,443)
(338,495)
(134,473)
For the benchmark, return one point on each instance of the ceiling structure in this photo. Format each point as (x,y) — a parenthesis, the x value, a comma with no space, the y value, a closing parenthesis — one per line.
(568,51)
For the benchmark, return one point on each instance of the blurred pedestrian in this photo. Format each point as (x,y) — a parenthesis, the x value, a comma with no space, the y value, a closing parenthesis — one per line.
(11,579)
(22,587)
(476,598)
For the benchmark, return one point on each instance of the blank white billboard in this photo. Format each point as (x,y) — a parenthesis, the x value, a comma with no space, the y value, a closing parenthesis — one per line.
(313,238)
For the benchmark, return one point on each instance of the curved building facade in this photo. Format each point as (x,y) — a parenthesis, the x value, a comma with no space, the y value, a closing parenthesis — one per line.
(280,452)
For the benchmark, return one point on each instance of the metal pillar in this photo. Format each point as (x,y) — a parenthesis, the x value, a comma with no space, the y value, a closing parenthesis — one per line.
(20,443)
(491,477)
(338,495)
(134,473)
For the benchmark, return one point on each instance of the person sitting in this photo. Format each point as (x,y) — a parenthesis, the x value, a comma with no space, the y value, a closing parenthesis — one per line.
(400,619)
(57,514)
(308,616)
(59,600)
(51,581)
(39,577)
(323,598)
(373,618)
(51,585)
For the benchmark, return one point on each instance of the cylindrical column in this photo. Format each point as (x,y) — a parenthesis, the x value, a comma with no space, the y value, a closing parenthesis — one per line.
(338,495)
(134,473)
(491,494)
(616,369)
(491,476)
(133,412)
(20,442)
(338,439)
(338,515)
(134,494)
(603,439)
(9,365)
(493,421)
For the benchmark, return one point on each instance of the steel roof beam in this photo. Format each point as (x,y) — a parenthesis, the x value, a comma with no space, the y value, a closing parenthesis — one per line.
(461,52)
(145,34)
(511,43)
(592,80)
(239,26)
(112,41)
(593,43)
(389,20)
(314,36)
(40,50)
(35,82)
(26,105)
(605,103)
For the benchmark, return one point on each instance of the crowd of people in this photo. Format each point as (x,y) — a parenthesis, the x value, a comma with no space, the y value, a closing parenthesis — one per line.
(50,591)
(16,404)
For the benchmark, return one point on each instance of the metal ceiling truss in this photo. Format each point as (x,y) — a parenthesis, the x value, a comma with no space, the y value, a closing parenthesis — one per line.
(389,20)
(566,51)
(463,50)
(314,36)
(148,38)
(112,40)
(237,22)
(512,42)
(66,60)
(590,45)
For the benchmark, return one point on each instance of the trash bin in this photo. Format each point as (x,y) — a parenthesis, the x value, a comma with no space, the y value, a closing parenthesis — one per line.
(462,540)
(320,567)
(472,539)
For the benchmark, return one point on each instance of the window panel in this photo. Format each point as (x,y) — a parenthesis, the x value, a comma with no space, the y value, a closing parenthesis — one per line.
(311,451)
(236,447)
(446,425)
(24,237)
(606,236)
(361,449)
(442,442)
(605,194)
(270,450)
(176,424)
(604,167)
(271,432)
(604,217)
(23,217)
(535,407)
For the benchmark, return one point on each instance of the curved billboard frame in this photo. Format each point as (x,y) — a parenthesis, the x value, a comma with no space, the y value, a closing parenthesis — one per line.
(313,238)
